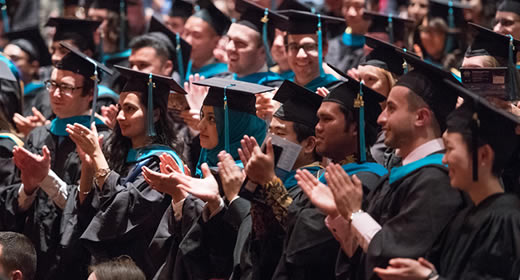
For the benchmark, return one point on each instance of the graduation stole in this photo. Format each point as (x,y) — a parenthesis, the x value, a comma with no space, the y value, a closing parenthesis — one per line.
(352,40)
(58,125)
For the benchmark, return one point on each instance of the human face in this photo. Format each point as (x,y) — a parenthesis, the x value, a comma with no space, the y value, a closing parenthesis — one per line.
(417,10)
(283,129)
(21,60)
(245,51)
(507,23)
(334,139)
(302,53)
(433,42)
(458,159)
(132,115)
(278,50)
(99,15)
(208,128)
(352,11)
(175,24)
(68,104)
(374,78)
(477,62)
(473,14)
(146,60)
(396,120)
(202,38)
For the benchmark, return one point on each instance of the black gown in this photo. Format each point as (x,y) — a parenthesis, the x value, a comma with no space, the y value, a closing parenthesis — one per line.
(36,95)
(8,172)
(413,204)
(342,56)
(481,242)
(41,222)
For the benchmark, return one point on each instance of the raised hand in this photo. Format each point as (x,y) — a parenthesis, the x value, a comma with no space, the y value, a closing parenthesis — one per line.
(196,94)
(348,193)
(406,269)
(109,115)
(86,139)
(205,189)
(246,151)
(231,175)
(191,118)
(260,166)
(319,194)
(265,105)
(27,124)
(33,167)
(165,183)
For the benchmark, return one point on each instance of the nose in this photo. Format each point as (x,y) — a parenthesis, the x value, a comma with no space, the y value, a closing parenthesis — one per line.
(134,67)
(381,120)
(230,46)
(445,159)
(120,116)
(319,127)
(202,125)
(351,11)
(301,53)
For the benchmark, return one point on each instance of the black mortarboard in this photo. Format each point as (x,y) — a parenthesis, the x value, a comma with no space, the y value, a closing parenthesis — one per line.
(293,5)
(155,86)
(32,43)
(71,28)
(425,80)
(180,50)
(207,11)
(509,6)
(483,123)
(77,62)
(6,73)
(384,56)
(181,8)
(302,22)
(364,102)
(240,95)
(395,27)
(299,104)
(452,12)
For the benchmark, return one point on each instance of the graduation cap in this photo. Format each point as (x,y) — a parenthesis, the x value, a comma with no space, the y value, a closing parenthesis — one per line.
(490,43)
(181,8)
(293,5)
(364,102)
(425,80)
(394,26)
(384,56)
(234,95)
(207,11)
(32,43)
(179,49)
(67,28)
(156,86)
(486,124)
(263,21)
(299,104)
(452,12)
(119,7)
(509,6)
(77,62)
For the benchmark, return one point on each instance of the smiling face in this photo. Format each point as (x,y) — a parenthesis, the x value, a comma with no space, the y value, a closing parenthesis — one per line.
(208,128)
(507,23)
(459,160)
(302,53)
(73,102)
(244,49)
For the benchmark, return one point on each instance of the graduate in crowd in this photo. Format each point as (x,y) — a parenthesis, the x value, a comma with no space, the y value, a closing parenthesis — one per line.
(29,52)
(507,19)
(35,206)
(413,119)
(346,50)
(223,124)
(203,31)
(417,10)
(481,240)
(179,13)
(389,28)
(119,195)
(304,50)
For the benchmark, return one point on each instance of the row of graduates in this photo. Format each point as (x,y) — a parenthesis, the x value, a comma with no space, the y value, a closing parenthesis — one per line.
(117,203)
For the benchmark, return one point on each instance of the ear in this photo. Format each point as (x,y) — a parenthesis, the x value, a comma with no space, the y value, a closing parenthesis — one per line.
(16,275)
(168,68)
(486,155)
(423,117)
(309,144)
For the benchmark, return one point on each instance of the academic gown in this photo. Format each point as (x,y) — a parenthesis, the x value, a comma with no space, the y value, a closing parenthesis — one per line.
(41,222)
(262,78)
(121,218)
(412,204)
(481,242)
(36,95)
(310,249)
(345,51)
(326,81)
(8,172)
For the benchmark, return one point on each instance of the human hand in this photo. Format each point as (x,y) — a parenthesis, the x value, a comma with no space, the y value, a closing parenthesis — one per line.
(322,91)
(205,189)
(27,124)
(191,118)
(265,105)
(259,166)
(354,73)
(231,175)
(165,183)
(319,194)
(347,192)
(406,269)
(109,115)
(87,139)
(34,168)
(196,94)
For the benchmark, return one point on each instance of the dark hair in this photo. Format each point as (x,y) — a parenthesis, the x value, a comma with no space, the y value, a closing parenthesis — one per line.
(352,118)
(118,145)
(88,86)
(303,132)
(121,268)
(18,253)
(148,40)
(83,43)
(114,28)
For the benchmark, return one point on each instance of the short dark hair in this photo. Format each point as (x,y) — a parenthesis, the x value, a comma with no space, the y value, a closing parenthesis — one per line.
(148,40)
(121,268)
(88,86)
(83,43)
(18,253)
(352,118)
(303,132)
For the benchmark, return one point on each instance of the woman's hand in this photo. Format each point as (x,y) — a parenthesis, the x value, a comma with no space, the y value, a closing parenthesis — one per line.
(192,118)
(87,139)
(205,189)
(231,175)
(165,183)
(196,94)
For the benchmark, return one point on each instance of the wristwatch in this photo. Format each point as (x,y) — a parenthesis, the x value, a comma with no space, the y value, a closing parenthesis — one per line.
(360,211)
(101,173)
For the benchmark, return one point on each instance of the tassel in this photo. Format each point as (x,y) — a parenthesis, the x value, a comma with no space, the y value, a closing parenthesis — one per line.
(268,57)
(180,64)
(188,71)
(5,17)
(226,120)
(391,29)
(450,40)
(512,84)
(151,127)
(360,104)
(95,97)
(405,64)
(122,24)
(320,47)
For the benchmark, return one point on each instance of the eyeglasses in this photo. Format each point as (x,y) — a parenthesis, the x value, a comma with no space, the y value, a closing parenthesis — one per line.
(308,48)
(64,89)
(504,22)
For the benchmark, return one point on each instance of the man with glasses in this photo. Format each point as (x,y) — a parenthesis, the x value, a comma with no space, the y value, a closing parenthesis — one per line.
(49,167)
(507,19)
